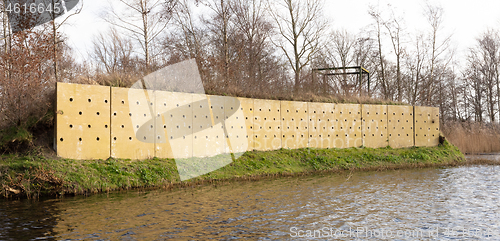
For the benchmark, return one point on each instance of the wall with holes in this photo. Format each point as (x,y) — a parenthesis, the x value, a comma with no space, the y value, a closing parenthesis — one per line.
(96,122)
(400,125)
(322,117)
(426,126)
(238,136)
(132,128)
(83,121)
(267,125)
(247,109)
(294,124)
(174,113)
(348,126)
(374,126)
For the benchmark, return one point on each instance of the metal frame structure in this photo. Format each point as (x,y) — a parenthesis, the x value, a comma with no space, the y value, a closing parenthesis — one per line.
(360,71)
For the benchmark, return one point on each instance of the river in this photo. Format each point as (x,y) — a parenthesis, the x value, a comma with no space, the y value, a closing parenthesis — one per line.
(440,203)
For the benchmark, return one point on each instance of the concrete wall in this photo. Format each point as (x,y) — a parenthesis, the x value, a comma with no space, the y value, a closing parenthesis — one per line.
(96,122)
(374,126)
(267,125)
(132,131)
(426,126)
(400,126)
(322,120)
(348,126)
(83,121)
(294,124)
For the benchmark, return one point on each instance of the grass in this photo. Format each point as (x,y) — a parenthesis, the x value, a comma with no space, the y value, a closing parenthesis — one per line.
(36,175)
(14,135)
(16,138)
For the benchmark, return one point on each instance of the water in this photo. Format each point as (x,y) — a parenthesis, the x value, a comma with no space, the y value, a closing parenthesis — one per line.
(485,156)
(449,203)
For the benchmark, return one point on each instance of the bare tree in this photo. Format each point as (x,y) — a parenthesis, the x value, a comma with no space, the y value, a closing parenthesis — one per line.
(339,51)
(363,54)
(186,38)
(343,44)
(395,30)
(489,45)
(473,79)
(6,33)
(378,25)
(145,20)
(26,80)
(219,25)
(415,63)
(253,31)
(438,48)
(57,39)
(483,67)
(114,54)
(301,26)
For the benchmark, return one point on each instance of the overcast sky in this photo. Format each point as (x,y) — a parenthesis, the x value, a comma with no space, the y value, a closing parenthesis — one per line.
(464,19)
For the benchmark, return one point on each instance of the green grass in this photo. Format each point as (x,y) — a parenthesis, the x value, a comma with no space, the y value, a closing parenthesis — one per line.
(14,134)
(37,175)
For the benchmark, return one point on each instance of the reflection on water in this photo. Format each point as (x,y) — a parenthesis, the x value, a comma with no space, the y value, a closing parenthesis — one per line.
(487,156)
(424,200)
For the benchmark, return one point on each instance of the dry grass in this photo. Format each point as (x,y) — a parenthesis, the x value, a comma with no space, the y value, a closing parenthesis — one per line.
(473,137)
(308,97)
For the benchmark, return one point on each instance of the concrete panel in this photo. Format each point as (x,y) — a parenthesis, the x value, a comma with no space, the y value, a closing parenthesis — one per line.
(348,126)
(321,130)
(209,135)
(82,120)
(434,127)
(267,125)
(374,126)
(400,125)
(174,130)
(426,126)
(247,107)
(294,124)
(238,139)
(132,123)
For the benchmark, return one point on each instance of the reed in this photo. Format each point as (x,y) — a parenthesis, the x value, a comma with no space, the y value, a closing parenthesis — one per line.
(473,137)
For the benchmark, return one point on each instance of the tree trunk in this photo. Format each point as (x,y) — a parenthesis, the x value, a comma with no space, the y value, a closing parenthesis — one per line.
(146,34)
(55,43)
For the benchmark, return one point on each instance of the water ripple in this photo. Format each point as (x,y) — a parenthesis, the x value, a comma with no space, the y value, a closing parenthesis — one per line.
(450,203)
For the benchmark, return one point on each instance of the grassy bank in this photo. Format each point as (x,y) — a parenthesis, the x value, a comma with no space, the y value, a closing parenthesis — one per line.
(32,176)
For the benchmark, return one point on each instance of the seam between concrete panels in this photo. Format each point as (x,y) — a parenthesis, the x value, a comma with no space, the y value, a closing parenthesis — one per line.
(110,119)
(253,129)
(362,120)
(387,125)
(282,124)
(155,122)
(414,128)
(192,127)
(307,125)
(55,121)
